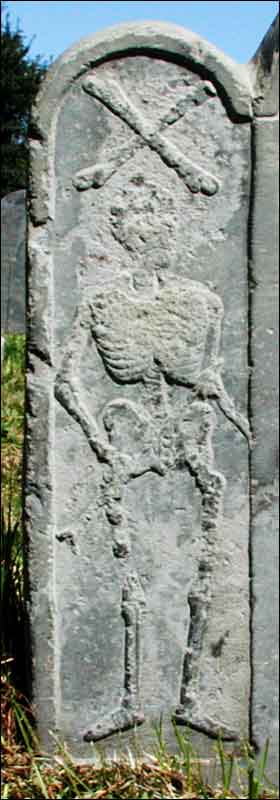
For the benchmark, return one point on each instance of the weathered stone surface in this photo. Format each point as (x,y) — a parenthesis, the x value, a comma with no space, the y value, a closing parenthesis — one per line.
(13,260)
(264,397)
(138,441)
(264,416)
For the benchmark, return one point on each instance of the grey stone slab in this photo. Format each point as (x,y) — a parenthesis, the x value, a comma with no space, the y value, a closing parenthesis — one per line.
(13,262)
(138,432)
(265,405)
(264,398)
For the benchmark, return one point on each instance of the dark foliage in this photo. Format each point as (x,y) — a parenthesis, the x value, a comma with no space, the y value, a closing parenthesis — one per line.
(20,80)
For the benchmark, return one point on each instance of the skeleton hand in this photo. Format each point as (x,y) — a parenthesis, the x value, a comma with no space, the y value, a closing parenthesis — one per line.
(209,384)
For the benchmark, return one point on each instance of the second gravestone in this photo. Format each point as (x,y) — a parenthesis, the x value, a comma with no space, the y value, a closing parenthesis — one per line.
(13,258)
(138,446)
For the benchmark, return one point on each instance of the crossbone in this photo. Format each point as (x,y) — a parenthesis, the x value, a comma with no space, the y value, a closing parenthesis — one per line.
(111,94)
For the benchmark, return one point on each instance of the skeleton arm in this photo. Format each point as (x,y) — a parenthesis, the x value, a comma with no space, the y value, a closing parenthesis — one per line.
(210,383)
(68,389)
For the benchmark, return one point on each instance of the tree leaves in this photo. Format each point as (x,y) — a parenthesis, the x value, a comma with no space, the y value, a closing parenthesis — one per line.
(20,80)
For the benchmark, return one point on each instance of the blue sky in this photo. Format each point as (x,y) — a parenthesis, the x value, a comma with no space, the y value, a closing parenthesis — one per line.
(234,27)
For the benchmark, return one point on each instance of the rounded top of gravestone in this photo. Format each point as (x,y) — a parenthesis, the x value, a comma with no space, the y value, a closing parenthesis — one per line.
(160,39)
(154,39)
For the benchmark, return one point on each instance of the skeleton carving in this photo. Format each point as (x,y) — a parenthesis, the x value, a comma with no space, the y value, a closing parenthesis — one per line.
(154,331)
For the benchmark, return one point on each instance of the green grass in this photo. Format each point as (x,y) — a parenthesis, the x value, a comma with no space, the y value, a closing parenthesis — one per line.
(26,771)
(12,419)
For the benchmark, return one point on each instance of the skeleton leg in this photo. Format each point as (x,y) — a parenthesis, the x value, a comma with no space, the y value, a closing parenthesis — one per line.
(190,712)
(133,602)
(128,714)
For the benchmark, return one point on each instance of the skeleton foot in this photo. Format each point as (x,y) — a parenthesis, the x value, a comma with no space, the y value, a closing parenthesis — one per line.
(122,719)
(128,714)
(191,714)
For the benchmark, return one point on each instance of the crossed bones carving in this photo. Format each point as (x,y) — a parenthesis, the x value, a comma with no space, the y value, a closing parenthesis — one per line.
(111,94)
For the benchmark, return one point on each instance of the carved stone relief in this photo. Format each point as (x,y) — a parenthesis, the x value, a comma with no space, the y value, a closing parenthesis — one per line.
(149,385)
(112,95)
(154,331)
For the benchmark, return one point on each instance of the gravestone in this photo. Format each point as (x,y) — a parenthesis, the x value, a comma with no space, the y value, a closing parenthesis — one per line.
(144,421)
(13,262)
